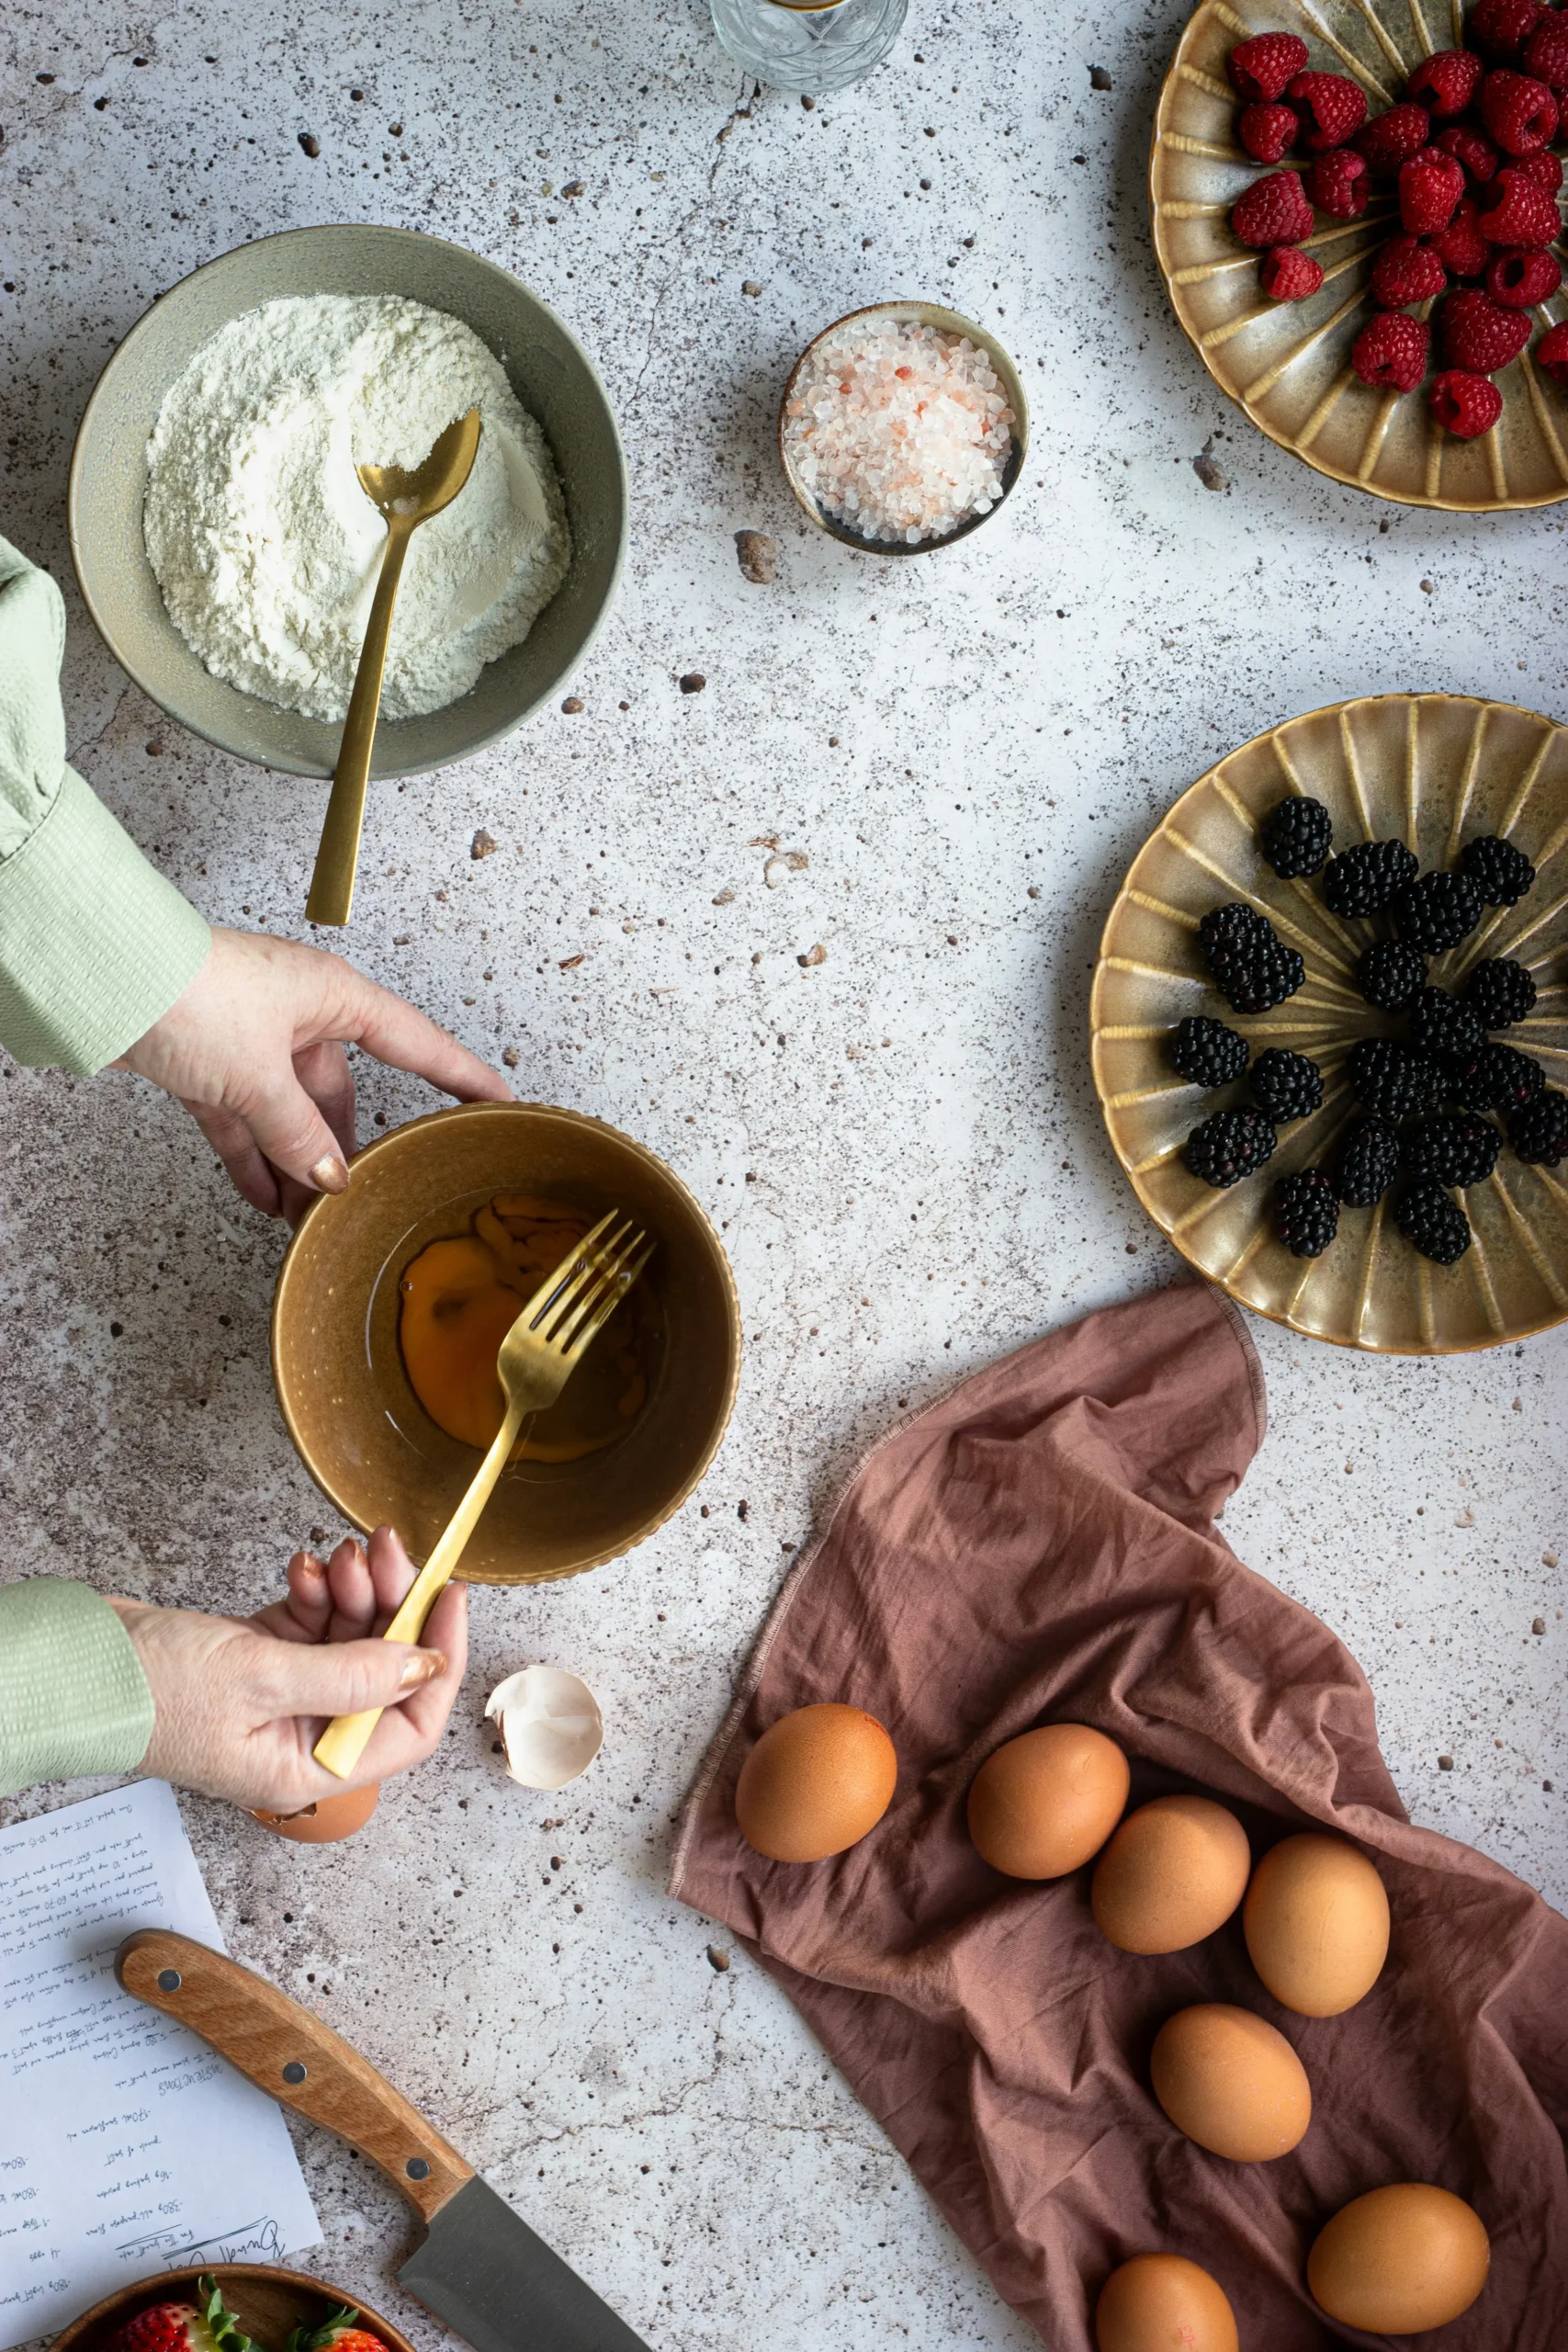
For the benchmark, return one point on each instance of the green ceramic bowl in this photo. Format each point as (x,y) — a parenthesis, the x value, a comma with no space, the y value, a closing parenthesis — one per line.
(553,377)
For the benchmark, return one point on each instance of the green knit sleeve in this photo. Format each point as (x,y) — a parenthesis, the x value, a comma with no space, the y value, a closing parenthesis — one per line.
(72,1696)
(94,945)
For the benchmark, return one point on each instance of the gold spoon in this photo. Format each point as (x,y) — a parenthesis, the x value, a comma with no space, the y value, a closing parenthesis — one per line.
(407,497)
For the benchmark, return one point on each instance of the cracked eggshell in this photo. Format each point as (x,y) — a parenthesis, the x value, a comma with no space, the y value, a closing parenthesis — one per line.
(551,1728)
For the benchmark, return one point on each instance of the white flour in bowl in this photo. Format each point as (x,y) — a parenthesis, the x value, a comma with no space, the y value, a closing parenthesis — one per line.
(263,539)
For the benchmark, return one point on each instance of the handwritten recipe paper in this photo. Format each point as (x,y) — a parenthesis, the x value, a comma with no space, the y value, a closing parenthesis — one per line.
(127,2146)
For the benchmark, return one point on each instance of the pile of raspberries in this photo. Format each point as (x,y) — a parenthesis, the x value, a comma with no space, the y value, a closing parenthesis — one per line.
(1427,1098)
(1468,153)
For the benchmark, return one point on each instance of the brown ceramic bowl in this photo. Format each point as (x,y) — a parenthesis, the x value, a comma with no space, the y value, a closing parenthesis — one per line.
(345,1396)
(269,2305)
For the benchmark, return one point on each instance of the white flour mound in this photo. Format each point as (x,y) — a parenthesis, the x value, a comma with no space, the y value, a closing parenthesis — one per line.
(268,548)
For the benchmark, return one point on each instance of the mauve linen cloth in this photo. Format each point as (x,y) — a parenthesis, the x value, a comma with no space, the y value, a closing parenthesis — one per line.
(1040,1547)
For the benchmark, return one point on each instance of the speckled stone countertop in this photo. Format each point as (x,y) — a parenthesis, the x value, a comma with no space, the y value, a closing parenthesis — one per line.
(900,1142)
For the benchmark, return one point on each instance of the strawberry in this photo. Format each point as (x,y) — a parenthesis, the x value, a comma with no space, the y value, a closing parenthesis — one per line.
(1543,168)
(1273,212)
(1546,54)
(1520,280)
(1287,275)
(1461,248)
(1479,335)
(1268,132)
(1465,405)
(1471,150)
(1406,271)
(1339,184)
(1520,212)
(1331,106)
(1430,185)
(1552,353)
(339,2332)
(1499,29)
(1520,111)
(1446,82)
(1261,67)
(1391,138)
(182,2327)
(1391,349)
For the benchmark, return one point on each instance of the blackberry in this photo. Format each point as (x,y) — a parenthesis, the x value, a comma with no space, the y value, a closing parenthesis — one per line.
(1295,837)
(1367,1163)
(1390,973)
(1366,878)
(1395,1080)
(1539,1132)
(1438,910)
(1285,1085)
(1306,1215)
(1250,965)
(1231,1145)
(1499,1078)
(1440,1024)
(1433,1224)
(1453,1151)
(1500,872)
(1206,1052)
(1500,992)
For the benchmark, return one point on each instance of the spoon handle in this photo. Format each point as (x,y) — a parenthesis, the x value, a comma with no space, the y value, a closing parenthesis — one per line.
(338,858)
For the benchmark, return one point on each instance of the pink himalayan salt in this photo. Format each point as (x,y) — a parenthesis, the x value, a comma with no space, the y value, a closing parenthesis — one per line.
(898,430)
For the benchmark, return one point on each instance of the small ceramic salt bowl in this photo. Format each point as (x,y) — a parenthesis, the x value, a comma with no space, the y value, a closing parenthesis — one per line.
(929,314)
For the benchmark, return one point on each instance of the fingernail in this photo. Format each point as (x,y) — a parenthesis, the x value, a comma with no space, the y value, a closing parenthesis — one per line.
(330,1174)
(421,1666)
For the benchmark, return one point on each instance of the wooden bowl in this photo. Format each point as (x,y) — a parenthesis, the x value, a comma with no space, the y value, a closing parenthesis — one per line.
(269,2303)
(1288,364)
(1436,770)
(361,1432)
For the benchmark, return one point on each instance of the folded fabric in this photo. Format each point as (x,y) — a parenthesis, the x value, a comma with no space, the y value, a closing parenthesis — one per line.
(1039,1547)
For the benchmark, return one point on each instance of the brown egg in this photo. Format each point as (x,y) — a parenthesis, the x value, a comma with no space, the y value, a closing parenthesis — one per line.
(1229,2082)
(330,1818)
(1162,2302)
(1400,2259)
(1048,1800)
(1173,1871)
(1316,1924)
(815,1781)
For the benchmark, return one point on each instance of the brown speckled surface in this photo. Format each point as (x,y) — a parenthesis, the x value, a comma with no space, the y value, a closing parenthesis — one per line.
(939,740)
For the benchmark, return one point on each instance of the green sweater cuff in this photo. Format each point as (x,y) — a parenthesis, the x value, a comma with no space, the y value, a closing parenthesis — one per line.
(72,1696)
(94,945)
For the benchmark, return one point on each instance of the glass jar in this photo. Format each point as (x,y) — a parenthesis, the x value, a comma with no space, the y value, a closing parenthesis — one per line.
(809,48)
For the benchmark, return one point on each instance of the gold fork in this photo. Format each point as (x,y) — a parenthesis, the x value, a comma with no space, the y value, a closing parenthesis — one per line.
(536,1359)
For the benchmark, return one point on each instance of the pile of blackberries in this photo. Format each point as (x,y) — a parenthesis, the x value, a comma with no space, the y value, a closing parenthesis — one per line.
(1425,1098)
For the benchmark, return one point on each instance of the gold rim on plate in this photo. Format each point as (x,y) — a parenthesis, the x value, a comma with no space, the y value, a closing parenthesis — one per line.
(1288,364)
(1435,771)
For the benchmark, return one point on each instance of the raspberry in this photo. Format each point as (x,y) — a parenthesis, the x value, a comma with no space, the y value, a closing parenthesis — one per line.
(1461,248)
(1430,185)
(1332,108)
(1518,279)
(1438,910)
(1339,184)
(1471,150)
(1391,349)
(1391,138)
(1275,212)
(1306,1215)
(1539,1132)
(1552,353)
(1519,212)
(1546,52)
(1429,1221)
(1261,67)
(1499,29)
(1406,271)
(1447,81)
(1499,869)
(1287,275)
(1519,112)
(1478,334)
(1543,168)
(1463,404)
(1268,132)
(1500,991)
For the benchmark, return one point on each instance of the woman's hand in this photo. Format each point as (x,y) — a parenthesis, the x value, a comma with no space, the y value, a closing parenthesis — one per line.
(255,1050)
(240,1702)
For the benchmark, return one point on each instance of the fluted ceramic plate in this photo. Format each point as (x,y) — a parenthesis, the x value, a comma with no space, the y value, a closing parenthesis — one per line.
(1436,770)
(1288,364)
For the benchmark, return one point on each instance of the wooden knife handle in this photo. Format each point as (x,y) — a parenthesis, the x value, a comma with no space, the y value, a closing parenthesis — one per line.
(294,2058)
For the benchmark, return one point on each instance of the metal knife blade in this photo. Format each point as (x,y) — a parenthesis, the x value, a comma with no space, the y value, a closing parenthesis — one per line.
(483,2271)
